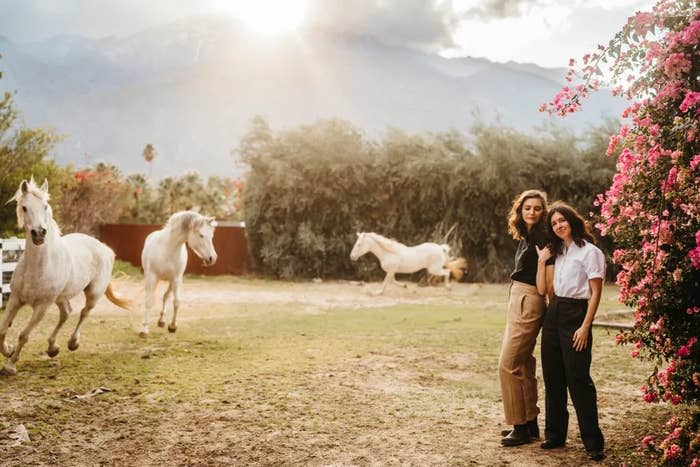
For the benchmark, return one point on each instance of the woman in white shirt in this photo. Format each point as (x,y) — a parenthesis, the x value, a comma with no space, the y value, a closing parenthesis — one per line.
(574,285)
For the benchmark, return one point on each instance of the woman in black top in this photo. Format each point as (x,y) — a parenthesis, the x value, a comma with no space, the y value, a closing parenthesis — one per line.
(516,365)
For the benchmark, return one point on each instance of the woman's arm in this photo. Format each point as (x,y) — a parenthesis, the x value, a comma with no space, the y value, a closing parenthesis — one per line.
(580,339)
(543,271)
(550,281)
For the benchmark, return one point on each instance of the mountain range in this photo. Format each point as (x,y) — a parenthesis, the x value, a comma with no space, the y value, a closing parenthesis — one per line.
(191,87)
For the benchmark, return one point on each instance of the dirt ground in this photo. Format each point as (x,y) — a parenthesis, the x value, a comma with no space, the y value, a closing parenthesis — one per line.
(376,408)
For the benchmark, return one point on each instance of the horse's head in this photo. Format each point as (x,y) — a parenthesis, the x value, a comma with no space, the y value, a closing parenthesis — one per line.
(361,246)
(33,210)
(199,238)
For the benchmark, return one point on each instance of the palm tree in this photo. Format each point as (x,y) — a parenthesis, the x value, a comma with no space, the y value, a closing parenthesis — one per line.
(148,154)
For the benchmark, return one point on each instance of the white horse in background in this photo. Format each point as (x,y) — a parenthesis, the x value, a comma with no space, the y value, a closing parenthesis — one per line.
(164,257)
(53,269)
(396,257)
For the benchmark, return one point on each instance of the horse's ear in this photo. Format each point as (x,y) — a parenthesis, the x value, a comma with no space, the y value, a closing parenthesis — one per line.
(358,233)
(212,221)
(45,186)
(24,186)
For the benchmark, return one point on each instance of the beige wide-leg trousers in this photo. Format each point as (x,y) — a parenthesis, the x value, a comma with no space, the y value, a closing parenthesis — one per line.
(516,365)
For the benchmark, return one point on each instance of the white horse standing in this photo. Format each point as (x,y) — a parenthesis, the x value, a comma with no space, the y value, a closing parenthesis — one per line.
(396,257)
(53,269)
(164,257)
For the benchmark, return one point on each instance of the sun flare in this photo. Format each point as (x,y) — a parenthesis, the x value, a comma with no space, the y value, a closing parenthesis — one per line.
(269,17)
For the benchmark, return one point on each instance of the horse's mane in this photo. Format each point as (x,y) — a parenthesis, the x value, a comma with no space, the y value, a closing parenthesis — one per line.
(183,221)
(34,190)
(388,244)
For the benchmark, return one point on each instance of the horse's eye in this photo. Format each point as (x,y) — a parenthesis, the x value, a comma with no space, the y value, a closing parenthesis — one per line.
(201,236)
(24,208)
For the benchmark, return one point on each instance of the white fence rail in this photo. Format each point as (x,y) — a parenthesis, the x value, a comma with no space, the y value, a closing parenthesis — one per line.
(10,251)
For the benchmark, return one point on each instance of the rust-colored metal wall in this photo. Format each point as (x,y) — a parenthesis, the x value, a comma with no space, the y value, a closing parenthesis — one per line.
(229,241)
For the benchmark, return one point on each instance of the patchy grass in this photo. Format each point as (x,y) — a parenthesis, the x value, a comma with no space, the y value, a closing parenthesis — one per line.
(294,373)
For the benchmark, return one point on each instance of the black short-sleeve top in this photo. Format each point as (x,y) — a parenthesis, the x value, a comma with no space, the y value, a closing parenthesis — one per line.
(526,257)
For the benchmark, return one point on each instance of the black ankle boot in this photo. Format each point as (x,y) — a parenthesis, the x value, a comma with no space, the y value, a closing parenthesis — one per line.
(519,435)
(533,428)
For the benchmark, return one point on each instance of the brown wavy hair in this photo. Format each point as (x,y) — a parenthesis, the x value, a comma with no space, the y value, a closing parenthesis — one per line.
(580,228)
(516,225)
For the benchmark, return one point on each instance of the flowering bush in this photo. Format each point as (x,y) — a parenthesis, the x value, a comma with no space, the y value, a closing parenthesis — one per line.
(652,208)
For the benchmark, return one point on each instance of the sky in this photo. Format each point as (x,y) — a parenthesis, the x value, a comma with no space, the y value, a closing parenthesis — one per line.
(545,32)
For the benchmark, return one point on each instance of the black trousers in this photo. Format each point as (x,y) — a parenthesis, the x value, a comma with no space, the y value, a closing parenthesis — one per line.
(564,368)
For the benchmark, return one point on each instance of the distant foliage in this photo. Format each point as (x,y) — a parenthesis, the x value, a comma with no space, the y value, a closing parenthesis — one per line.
(310,189)
(218,197)
(94,197)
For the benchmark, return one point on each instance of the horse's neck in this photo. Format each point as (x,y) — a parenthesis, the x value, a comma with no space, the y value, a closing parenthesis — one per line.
(175,237)
(378,248)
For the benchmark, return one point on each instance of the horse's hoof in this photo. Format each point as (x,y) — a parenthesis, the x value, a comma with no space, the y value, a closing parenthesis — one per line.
(161,324)
(52,352)
(7,350)
(73,345)
(8,371)
(172,327)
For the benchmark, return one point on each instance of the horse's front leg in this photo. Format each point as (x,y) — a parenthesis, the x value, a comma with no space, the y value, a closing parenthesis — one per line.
(64,310)
(446,273)
(389,277)
(166,296)
(177,286)
(150,282)
(90,300)
(13,305)
(37,316)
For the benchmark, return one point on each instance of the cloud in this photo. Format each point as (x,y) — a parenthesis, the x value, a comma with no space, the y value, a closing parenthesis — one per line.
(499,8)
(419,23)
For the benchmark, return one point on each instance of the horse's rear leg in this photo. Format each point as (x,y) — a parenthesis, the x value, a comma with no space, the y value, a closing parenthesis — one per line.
(13,305)
(150,281)
(166,296)
(37,315)
(90,300)
(176,285)
(64,310)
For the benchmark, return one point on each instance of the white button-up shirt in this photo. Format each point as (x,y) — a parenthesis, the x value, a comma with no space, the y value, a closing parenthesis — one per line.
(575,267)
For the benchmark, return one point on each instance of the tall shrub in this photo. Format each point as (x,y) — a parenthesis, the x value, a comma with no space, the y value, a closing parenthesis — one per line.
(311,188)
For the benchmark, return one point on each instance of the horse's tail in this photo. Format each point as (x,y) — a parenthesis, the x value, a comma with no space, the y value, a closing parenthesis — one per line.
(447,235)
(457,267)
(117,300)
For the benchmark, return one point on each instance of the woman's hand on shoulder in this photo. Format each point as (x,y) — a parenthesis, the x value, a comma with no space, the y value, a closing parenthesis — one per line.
(543,254)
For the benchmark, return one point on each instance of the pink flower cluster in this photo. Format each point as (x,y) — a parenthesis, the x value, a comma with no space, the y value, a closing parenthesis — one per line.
(691,100)
(694,254)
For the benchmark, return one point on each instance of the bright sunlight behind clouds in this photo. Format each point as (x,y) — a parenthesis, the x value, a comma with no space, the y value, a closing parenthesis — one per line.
(268,17)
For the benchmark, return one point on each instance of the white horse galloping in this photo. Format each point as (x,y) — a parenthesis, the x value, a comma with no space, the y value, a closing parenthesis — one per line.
(53,269)
(396,257)
(164,257)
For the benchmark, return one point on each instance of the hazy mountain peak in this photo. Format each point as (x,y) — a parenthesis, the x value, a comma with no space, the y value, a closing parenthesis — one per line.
(190,87)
